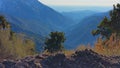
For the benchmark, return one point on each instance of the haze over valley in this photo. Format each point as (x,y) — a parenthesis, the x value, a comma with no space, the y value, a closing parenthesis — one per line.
(59,34)
(37,20)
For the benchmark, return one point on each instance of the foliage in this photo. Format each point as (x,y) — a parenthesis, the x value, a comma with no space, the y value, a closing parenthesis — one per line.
(3,23)
(109,47)
(109,29)
(109,26)
(13,45)
(55,42)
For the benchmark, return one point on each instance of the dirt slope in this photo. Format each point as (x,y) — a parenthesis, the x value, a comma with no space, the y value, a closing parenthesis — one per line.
(81,59)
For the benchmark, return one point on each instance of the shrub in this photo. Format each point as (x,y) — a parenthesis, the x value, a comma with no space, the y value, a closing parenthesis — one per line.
(109,26)
(55,42)
(109,29)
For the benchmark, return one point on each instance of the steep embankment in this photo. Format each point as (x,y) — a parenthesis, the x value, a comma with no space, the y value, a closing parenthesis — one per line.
(81,59)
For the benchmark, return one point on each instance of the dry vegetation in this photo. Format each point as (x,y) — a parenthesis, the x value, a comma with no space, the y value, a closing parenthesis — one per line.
(15,46)
(68,52)
(79,48)
(109,47)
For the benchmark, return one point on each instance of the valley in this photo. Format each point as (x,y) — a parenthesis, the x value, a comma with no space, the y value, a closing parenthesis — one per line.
(37,20)
(59,34)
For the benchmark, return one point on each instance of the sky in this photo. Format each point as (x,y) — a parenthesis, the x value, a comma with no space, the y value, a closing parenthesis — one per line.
(80,2)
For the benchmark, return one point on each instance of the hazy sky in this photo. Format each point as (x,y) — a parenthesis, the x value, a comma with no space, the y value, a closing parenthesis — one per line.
(80,2)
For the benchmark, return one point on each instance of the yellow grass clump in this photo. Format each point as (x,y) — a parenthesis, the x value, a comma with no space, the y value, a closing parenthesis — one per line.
(109,47)
(15,45)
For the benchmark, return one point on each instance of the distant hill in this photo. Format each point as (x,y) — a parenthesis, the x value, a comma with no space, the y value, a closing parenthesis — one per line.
(77,16)
(63,8)
(29,14)
(81,33)
(37,20)
(32,17)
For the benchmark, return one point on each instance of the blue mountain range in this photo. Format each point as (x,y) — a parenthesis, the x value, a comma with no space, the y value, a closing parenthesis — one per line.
(37,20)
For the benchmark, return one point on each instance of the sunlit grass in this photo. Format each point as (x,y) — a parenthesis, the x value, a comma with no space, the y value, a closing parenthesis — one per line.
(15,46)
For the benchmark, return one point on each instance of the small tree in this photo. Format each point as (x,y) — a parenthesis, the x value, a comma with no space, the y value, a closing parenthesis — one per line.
(3,23)
(55,42)
(109,26)
(109,29)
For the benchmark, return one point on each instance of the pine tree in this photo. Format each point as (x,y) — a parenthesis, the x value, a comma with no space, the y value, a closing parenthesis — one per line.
(55,42)
(109,26)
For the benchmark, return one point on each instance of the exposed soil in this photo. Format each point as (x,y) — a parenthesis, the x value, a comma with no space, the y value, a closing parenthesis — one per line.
(81,59)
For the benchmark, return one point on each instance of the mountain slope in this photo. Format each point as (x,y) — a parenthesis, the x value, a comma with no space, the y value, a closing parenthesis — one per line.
(32,17)
(81,33)
(77,16)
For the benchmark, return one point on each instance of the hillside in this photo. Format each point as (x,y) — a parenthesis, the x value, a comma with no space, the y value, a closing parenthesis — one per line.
(81,33)
(32,17)
(33,11)
(77,16)
(80,59)
(71,44)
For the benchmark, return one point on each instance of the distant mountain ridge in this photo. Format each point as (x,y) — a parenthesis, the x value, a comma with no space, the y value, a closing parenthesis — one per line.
(81,32)
(37,20)
(32,17)
(33,11)
(77,16)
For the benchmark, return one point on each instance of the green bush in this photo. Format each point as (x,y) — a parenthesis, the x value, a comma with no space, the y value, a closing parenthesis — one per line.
(55,42)
(109,26)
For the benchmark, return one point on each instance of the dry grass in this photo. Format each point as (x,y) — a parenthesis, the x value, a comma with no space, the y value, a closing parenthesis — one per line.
(68,52)
(109,47)
(83,47)
(14,46)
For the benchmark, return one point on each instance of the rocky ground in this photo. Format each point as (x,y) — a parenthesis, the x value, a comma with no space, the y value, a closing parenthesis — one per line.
(81,59)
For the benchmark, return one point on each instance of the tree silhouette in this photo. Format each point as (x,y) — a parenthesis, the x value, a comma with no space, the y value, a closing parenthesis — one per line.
(109,26)
(55,42)
(3,23)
